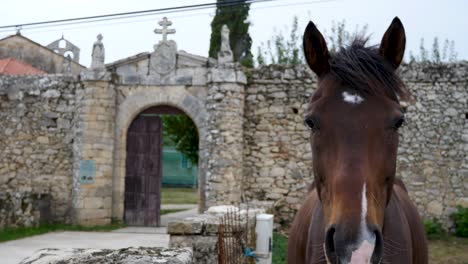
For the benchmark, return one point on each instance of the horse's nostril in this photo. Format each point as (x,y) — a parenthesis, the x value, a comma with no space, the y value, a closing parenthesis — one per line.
(330,241)
(378,249)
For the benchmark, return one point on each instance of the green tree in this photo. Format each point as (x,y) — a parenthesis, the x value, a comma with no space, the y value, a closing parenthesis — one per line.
(181,132)
(235,16)
(289,50)
(445,50)
(341,36)
(444,55)
(412,58)
(284,50)
(338,37)
(436,50)
(422,52)
(261,60)
(452,57)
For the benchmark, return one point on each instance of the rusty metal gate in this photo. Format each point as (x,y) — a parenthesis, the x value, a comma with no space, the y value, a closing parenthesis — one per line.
(236,239)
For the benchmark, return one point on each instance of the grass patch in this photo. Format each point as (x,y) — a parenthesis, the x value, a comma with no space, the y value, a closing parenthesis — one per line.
(179,196)
(280,245)
(8,234)
(449,250)
(171,211)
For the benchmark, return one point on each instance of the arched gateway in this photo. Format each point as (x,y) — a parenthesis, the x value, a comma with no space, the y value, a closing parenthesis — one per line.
(209,91)
(141,100)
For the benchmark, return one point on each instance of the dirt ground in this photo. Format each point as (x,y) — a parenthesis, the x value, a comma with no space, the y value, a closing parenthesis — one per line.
(448,251)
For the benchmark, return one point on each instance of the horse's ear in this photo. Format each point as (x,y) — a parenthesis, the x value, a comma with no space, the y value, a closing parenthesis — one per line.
(315,50)
(392,47)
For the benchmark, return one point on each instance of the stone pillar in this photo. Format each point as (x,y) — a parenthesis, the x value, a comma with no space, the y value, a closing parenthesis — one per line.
(198,233)
(93,151)
(225,105)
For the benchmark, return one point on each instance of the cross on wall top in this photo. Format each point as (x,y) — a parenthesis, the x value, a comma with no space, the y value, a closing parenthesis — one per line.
(164,23)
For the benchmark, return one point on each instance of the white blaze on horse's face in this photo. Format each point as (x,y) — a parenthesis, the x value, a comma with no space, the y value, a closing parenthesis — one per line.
(366,243)
(352,98)
(363,254)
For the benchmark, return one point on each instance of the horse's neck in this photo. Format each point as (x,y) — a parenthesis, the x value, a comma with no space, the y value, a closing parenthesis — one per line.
(403,234)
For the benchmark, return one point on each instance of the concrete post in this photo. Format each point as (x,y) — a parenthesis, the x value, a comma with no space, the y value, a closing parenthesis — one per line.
(264,244)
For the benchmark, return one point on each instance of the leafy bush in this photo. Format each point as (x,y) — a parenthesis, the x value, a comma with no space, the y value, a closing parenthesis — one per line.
(434,229)
(460,219)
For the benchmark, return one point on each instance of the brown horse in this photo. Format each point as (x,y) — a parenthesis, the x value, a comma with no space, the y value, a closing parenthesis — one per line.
(356,210)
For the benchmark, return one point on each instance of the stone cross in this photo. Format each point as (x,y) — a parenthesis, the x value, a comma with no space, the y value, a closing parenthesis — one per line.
(164,31)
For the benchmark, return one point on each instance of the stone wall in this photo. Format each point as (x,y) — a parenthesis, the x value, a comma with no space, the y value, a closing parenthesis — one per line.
(277,157)
(432,155)
(36,154)
(253,144)
(94,141)
(433,159)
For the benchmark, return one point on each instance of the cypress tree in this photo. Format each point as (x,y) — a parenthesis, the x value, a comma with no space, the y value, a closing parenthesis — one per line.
(235,17)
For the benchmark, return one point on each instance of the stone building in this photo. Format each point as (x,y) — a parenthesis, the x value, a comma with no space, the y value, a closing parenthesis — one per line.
(64,138)
(49,60)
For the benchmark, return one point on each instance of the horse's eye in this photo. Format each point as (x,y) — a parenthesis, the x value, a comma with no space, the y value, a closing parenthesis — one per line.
(398,122)
(312,123)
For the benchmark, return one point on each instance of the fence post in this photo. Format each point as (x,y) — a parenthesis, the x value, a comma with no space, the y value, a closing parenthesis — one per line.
(264,245)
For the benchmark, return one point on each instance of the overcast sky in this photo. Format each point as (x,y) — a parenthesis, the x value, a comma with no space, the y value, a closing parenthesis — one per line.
(123,38)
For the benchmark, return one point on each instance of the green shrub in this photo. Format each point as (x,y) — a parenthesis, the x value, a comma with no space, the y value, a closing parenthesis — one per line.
(460,219)
(280,245)
(434,229)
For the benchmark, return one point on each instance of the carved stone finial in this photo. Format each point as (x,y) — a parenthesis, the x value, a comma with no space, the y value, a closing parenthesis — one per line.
(225,53)
(98,54)
(164,23)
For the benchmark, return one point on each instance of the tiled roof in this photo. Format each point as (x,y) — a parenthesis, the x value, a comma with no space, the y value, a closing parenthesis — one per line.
(11,66)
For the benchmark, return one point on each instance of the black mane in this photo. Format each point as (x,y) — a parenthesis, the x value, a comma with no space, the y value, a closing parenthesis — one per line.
(363,69)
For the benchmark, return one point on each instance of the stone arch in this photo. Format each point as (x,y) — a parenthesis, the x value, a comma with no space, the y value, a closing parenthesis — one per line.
(135,103)
(64,47)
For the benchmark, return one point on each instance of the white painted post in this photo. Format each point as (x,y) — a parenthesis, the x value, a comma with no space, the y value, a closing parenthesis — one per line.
(264,246)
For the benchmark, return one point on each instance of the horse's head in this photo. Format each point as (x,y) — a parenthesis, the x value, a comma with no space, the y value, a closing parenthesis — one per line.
(354,118)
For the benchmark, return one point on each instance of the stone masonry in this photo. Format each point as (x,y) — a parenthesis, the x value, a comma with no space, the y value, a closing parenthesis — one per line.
(57,129)
(92,203)
(253,143)
(36,137)
(432,158)
(225,103)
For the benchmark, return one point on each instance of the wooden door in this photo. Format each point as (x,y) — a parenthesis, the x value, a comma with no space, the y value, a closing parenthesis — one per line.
(143,171)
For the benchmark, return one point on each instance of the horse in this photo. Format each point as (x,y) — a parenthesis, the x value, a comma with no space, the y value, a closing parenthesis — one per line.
(356,210)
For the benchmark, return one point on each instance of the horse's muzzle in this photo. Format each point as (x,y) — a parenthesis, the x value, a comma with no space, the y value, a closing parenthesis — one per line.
(342,247)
